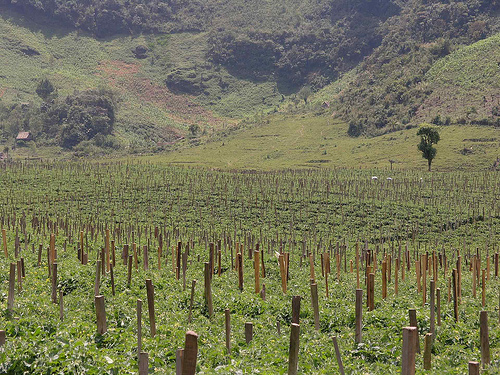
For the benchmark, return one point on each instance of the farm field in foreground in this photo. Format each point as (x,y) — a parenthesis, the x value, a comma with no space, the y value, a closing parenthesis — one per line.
(297,212)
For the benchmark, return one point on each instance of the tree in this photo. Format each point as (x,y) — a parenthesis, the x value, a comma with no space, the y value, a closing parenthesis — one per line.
(304,93)
(44,89)
(428,137)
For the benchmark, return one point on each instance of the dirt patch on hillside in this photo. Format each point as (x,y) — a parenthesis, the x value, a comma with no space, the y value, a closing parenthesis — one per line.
(181,108)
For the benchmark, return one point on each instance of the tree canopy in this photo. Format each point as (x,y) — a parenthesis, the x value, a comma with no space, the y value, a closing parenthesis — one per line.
(429,136)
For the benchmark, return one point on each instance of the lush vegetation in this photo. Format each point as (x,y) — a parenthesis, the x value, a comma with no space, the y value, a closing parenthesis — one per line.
(295,212)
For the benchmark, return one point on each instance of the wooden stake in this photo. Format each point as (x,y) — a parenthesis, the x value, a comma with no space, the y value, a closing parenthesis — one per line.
(2,338)
(311,267)
(282,273)
(413,323)
(337,354)
(4,240)
(12,285)
(129,273)
(228,331)
(248,332)
(455,294)
(97,278)
(190,353)
(208,290)
(408,354)
(256,257)
(432,307)
(139,327)
(239,264)
(151,306)
(143,363)
(193,284)
(61,305)
(474,368)
(483,288)
(179,356)
(296,309)
(438,304)
(112,275)
(371,306)
(485,341)
(101,315)
(293,354)
(315,306)
(427,351)
(359,315)
(54,283)
(384,279)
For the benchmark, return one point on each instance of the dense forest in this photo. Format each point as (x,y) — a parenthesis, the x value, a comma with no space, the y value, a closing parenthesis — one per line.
(391,43)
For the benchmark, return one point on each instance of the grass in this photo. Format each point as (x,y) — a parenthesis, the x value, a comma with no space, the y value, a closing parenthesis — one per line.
(307,141)
(466,83)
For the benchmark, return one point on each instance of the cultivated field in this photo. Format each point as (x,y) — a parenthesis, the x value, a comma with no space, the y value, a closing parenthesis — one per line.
(174,225)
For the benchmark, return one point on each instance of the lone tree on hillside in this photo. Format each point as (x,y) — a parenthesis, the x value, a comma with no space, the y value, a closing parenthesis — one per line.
(428,137)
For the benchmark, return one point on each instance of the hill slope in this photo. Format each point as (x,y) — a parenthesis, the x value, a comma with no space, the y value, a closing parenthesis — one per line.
(306,141)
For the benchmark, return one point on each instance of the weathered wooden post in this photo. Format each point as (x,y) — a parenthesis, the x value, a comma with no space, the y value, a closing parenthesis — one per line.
(4,240)
(61,305)
(143,363)
(408,354)
(97,281)
(12,285)
(337,354)
(296,309)
(139,327)
(101,315)
(151,306)
(190,353)
(193,284)
(129,270)
(179,356)
(427,351)
(256,259)
(248,332)
(438,305)
(54,283)
(293,355)
(413,323)
(359,315)
(474,368)
(485,341)
(315,305)
(432,307)
(228,330)
(371,277)
(208,290)
(2,338)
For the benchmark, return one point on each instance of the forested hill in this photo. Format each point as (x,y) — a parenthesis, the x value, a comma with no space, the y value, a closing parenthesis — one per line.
(238,57)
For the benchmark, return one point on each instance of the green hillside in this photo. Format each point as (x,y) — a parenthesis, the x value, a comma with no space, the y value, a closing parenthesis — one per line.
(148,76)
